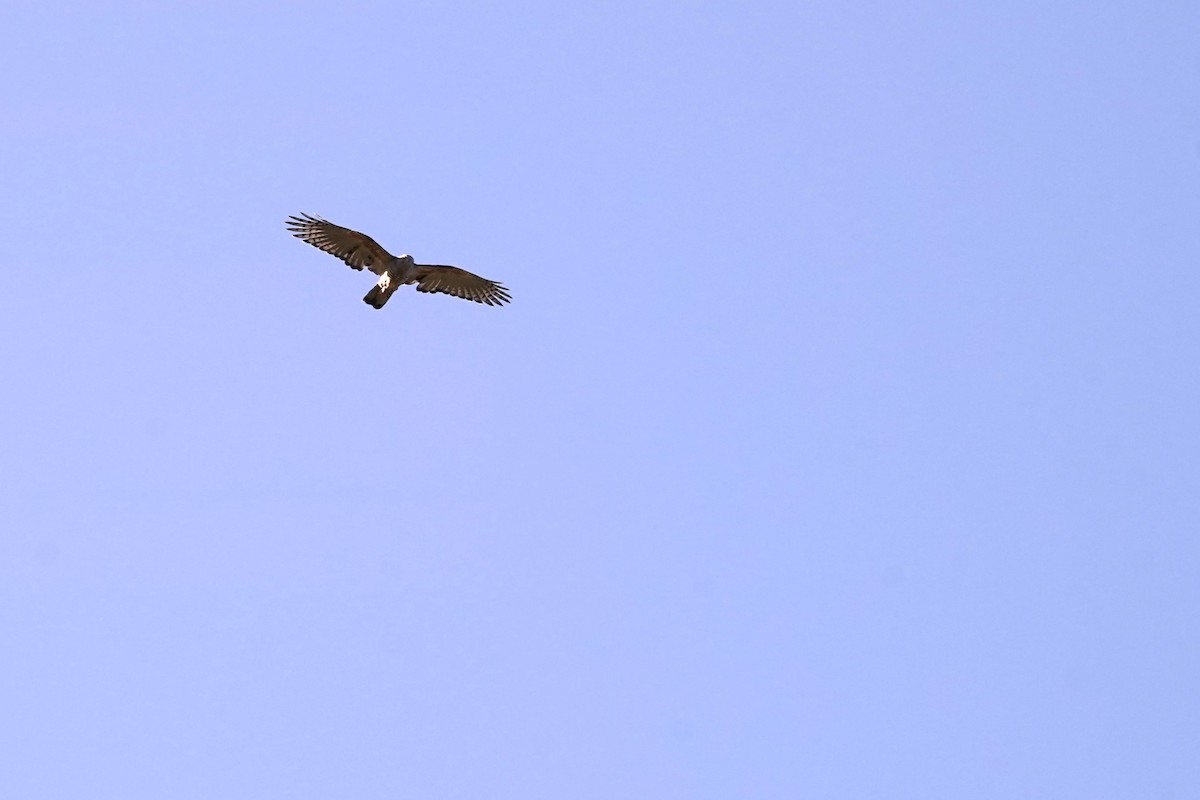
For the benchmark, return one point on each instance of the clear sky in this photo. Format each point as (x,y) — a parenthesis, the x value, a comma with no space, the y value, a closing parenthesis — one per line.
(840,440)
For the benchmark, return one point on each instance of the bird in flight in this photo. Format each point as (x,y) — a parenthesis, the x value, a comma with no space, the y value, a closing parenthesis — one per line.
(359,250)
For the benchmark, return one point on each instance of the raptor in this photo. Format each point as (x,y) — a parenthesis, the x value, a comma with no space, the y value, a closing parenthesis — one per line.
(358,250)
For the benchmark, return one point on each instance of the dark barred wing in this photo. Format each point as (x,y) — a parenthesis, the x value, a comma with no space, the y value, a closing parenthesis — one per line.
(460,283)
(356,249)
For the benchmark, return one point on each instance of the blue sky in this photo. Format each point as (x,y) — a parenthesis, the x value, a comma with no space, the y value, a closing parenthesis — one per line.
(840,440)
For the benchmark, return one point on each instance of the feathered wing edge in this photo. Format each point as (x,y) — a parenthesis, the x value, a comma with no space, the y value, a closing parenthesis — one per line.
(356,250)
(457,282)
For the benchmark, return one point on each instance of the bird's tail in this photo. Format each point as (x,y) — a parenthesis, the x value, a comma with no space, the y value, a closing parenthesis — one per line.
(379,295)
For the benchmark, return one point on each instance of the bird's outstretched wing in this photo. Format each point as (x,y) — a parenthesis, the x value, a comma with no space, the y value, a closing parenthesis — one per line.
(357,249)
(460,283)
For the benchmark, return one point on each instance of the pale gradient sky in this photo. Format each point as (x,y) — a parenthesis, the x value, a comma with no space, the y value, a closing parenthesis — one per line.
(840,441)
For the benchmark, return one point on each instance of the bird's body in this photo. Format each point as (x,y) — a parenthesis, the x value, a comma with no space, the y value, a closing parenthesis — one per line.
(358,250)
